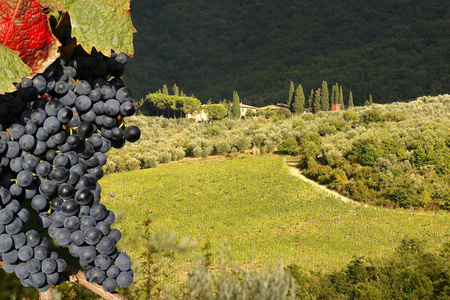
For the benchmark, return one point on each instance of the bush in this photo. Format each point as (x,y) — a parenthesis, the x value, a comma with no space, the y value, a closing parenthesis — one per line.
(164,157)
(150,161)
(350,116)
(289,146)
(213,131)
(207,151)
(197,151)
(370,116)
(326,129)
(298,123)
(243,143)
(222,147)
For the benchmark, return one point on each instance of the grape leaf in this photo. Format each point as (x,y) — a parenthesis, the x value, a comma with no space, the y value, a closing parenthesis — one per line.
(24,28)
(12,69)
(103,24)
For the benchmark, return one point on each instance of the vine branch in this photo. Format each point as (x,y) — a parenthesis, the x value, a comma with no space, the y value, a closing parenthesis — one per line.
(75,275)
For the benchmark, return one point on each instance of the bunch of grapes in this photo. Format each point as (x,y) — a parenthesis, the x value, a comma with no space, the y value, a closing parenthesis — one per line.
(56,130)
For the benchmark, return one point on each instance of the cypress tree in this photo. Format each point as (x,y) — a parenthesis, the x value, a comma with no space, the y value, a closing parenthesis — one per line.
(176,90)
(298,104)
(325,97)
(311,99)
(350,100)
(341,97)
(291,96)
(333,92)
(236,106)
(336,93)
(165,90)
(317,102)
(370,99)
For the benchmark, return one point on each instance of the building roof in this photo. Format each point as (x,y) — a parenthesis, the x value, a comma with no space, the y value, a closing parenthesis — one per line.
(274,106)
(248,106)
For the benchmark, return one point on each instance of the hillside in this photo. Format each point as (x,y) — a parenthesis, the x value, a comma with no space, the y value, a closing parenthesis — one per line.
(393,50)
(263,214)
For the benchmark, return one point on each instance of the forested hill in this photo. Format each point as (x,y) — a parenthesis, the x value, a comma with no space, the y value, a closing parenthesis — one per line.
(392,49)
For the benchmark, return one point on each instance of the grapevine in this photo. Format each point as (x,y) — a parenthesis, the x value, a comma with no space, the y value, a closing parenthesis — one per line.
(56,125)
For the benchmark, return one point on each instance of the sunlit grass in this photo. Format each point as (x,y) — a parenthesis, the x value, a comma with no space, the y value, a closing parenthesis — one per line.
(260,211)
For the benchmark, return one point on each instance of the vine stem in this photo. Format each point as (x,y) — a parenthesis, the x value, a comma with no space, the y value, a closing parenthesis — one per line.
(75,275)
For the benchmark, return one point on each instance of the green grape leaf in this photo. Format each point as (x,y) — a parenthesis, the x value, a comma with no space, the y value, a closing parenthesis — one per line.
(103,24)
(12,69)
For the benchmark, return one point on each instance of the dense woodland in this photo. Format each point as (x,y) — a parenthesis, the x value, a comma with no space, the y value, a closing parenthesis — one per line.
(394,50)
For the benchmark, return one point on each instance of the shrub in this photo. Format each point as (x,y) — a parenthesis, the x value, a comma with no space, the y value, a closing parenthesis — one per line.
(150,161)
(338,124)
(197,151)
(350,116)
(298,123)
(250,113)
(269,146)
(258,140)
(164,157)
(222,147)
(308,116)
(243,143)
(289,146)
(391,117)
(207,151)
(326,129)
(213,131)
(310,145)
(370,116)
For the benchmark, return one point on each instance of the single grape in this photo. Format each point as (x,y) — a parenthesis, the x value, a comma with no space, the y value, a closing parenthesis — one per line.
(88,254)
(125,279)
(109,285)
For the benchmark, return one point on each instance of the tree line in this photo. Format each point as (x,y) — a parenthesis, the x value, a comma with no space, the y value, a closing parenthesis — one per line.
(319,99)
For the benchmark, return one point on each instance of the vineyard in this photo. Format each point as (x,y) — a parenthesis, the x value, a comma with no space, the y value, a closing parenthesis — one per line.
(254,211)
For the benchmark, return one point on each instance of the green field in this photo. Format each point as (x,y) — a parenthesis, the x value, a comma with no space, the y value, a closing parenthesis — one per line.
(260,211)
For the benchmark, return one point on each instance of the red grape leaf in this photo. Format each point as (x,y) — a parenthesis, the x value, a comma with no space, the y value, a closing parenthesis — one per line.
(25,29)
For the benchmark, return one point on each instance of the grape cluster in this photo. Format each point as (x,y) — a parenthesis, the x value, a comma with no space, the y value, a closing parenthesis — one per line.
(60,126)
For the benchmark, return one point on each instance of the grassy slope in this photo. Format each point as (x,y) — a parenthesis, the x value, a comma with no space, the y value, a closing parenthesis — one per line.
(259,210)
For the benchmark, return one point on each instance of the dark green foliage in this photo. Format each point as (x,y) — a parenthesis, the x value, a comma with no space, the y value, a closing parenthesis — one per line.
(333,93)
(409,273)
(393,51)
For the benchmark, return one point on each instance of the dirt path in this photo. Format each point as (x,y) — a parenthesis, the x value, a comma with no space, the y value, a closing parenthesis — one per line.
(293,170)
